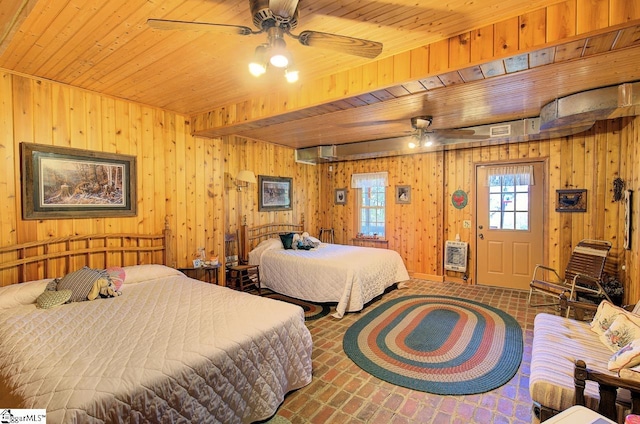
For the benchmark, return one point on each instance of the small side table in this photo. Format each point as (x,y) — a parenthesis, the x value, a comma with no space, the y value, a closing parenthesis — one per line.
(209,271)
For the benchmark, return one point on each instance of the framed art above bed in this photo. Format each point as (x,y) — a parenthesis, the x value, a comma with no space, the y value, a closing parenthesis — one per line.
(61,182)
(274,193)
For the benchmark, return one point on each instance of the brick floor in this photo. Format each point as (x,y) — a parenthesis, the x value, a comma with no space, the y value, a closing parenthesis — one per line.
(343,393)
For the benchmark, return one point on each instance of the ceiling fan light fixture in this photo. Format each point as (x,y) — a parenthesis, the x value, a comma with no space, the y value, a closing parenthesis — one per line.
(279,54)
(259,64)
(412,145)
(291,75)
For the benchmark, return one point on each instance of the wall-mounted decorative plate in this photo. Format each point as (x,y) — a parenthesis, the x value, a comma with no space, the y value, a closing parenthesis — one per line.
(459,199)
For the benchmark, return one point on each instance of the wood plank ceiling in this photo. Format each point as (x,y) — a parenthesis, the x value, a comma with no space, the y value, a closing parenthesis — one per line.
(106,46)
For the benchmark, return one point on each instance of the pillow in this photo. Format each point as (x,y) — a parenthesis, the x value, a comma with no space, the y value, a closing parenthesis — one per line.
(621,332)
(265,245)
(139,273)
(632,373)
(314,240)
(604,316)
(287,240)
(628,356)
(81,282)
(117,276)
(49,299)
(22,293)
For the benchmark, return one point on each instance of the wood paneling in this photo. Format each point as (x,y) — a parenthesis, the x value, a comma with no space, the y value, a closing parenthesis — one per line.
(179,176)
(553,42)
(275,161)
(591,160)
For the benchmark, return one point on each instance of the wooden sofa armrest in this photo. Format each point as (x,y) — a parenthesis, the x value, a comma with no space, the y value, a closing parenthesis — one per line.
(608,386)
(579,307)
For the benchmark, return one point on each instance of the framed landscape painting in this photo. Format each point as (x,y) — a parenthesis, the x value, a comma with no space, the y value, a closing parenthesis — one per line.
(61,182)
(274,193)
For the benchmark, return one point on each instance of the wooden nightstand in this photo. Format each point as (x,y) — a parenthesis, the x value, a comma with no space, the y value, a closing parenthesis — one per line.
(209,271)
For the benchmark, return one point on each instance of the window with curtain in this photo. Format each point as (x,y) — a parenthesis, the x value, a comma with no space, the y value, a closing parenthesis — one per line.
(509,197)
(371,195)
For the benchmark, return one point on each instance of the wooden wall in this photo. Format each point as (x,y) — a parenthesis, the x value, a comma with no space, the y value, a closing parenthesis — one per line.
(180,177)
(270,160)
(590,160)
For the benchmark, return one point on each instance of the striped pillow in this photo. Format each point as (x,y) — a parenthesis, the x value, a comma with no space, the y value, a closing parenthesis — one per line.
(81,282)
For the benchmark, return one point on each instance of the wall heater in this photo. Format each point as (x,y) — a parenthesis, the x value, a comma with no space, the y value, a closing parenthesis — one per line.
(455,256)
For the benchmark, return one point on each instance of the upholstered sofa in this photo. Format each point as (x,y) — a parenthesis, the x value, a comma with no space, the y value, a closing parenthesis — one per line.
(559,342)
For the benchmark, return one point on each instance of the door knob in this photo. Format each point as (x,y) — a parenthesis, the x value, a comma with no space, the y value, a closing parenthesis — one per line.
(481,236)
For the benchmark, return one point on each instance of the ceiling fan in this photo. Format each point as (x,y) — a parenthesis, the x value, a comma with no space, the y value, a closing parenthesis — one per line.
(277,18)
(422,136)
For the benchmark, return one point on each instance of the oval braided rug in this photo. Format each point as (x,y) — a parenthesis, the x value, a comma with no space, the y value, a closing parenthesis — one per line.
(437,344)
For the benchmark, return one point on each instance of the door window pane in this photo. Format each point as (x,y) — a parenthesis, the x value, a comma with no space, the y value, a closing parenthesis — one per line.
(508,203)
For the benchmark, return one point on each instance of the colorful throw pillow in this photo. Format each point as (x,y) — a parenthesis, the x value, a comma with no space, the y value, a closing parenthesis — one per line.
(287,240)
(49,299)
(117,276)
(81,282)
(621,332)
(606,313)
(628,356)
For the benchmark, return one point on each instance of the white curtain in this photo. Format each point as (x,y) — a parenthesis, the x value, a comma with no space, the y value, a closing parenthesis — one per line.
(371,179)
(523,174)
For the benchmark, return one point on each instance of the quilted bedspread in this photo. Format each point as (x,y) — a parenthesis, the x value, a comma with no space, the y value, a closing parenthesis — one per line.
(348,275)
(168,350)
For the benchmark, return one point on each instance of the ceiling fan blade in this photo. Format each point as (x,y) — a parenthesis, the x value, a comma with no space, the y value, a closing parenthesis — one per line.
(370,123)
(283,8)
(461,134)
(340,43)
(166,24)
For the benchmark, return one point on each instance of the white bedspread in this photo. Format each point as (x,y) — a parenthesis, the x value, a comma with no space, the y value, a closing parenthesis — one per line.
(349,275)
(170,350)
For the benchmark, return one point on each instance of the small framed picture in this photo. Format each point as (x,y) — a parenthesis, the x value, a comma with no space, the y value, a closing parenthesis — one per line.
(341,196)
(571,200)
(197,263)
(403,194)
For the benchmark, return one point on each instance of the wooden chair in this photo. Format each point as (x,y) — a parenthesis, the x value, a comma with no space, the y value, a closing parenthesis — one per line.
(583,275)
(326,235)
(240,275)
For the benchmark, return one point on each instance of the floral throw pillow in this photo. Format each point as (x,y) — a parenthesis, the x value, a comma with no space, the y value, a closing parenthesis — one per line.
(628,356)
(606,313)
(621,332)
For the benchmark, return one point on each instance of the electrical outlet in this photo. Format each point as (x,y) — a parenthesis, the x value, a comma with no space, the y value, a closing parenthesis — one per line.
(466,223)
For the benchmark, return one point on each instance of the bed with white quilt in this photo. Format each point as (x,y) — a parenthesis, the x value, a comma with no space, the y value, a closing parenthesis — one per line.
(351,276)
(161,348)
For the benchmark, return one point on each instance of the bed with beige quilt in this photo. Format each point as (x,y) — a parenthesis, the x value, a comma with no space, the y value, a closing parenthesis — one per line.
(350,276)
(167,348)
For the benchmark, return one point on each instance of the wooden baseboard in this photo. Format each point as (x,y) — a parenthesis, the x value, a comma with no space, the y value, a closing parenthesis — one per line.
(438,278)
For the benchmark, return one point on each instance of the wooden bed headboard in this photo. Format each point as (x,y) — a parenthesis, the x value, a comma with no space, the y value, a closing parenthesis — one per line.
(56,257)
(250,237)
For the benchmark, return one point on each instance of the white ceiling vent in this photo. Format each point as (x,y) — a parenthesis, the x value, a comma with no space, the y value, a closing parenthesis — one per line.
(500,131)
